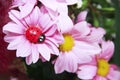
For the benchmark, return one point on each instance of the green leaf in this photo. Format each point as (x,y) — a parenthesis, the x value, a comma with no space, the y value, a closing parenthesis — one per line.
(117,26)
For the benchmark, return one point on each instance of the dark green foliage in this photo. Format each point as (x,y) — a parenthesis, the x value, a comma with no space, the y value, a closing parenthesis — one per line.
(45,71)
(117,27)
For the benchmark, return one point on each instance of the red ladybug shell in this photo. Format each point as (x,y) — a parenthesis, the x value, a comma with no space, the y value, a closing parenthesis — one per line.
(33,33)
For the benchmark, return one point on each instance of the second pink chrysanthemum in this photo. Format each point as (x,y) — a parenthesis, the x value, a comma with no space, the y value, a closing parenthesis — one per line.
(75,48)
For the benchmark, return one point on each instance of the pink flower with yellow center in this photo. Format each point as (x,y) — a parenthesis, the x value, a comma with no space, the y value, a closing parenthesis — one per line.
(34,36)
(75,49)
(96,33)
(99,68)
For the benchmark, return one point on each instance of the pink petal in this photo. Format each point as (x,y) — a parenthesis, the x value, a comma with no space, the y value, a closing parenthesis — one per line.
(15,43)
(107,50)
(96,35)
(35,53)
(45,22)
(82,58)
(82,28)
(87,72)
(17,3)
(85,48)
(114,66)
(34,16)
(61,1)
(52,40)
(71,62)
(13,28)
(53,14)
(54,36)
(28,22)
(66,61)
(65,24)
(82,16)
(52,47)
(44,51)
(26,9)
(58,37)
(114,75)
(59,65)
(10,38)
(49,4)
(29,59)
(71,2)
(42,59)
(62,9)
(15,16)
(68,2)
(100,78)
(51,31)
(24,49)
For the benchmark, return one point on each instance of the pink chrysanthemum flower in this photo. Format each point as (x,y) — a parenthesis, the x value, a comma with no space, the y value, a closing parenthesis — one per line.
(75,49)
(99,68)
(96,33)
(33,36)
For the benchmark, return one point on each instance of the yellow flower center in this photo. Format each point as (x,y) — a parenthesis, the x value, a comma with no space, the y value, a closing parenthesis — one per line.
(103,67)
(68,43)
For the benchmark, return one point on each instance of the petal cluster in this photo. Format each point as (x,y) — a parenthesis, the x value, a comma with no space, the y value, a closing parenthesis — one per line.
(43,29)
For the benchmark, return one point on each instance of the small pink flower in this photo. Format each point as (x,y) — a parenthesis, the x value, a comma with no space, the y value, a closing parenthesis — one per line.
(96,33)
(99,68)
(33,36)
(75,50)
(82,16)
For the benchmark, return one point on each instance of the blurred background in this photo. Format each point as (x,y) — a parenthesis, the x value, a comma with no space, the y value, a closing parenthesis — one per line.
(101,13)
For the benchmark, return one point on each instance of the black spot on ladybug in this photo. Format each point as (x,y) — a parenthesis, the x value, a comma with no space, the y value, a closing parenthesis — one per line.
(41,38)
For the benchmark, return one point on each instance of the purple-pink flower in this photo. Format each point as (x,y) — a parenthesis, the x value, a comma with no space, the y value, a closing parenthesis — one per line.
(99,68)
(75,48)
(34,36)
(96,33)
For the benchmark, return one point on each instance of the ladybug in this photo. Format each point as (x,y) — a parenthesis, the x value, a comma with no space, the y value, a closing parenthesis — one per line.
(35,35)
